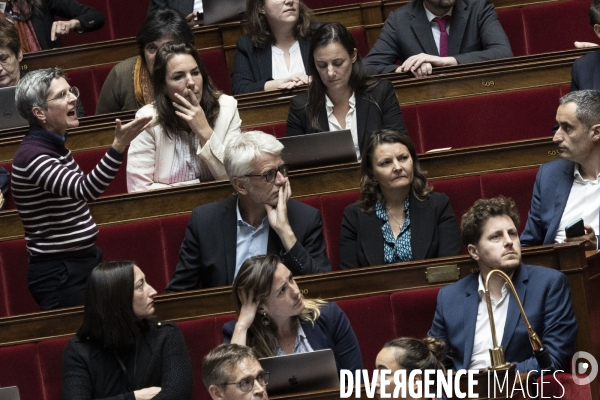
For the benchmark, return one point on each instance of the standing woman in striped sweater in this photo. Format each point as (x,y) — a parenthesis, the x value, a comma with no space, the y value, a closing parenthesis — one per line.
(51,192)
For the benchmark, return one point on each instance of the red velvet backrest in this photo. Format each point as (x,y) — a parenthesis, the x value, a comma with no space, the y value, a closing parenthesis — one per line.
(517,185)
(317,4)
(102,34)
(172,232)
(140,241)
(99,75)
(313,201)
(411,120)
(87,161)
(562,386)
(9,201)
(538,21)
(413,312)
(13,258)
(200,337)
(487,119)
(220,321)
(511,20)
(20,367)
(277,130)
(360,37)
(216,67)
(373,323)
(51,354)
(82,78)
(564,89)
(127,17)
(332,212)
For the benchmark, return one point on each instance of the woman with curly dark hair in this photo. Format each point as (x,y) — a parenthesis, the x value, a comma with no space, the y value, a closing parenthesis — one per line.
(192,120)
(274,52)
(341,95)
(399,217)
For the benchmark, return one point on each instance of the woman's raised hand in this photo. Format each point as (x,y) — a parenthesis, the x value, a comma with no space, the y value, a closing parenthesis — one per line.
(246,317)
(193,114)
(124,134)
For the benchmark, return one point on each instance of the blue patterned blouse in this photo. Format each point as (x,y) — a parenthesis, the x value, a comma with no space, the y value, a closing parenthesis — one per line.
(395,249)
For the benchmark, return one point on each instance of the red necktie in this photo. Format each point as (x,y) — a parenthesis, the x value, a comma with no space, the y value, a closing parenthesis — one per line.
(443,35)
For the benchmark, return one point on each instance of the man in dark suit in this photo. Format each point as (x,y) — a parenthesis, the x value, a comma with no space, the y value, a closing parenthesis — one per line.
(567,189)
(489,229)
(261,219)
(435,33)
(585,73)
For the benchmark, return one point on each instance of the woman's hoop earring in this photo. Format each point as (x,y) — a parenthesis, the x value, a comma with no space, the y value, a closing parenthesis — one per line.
(265,320)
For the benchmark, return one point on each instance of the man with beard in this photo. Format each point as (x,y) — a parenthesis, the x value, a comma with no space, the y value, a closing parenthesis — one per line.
(568,188)
(489,229)
(435,33)
(232,372)
(260,219)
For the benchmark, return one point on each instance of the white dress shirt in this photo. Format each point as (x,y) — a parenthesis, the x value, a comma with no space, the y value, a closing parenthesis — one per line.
(280,69)
(250,241)
(482,342)
(435,28)
(334,124)
(583,202)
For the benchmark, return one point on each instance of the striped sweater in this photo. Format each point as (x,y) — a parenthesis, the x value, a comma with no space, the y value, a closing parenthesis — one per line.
(51,193)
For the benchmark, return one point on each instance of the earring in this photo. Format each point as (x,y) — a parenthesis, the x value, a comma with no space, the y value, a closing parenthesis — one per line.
(44,120)
(265,320)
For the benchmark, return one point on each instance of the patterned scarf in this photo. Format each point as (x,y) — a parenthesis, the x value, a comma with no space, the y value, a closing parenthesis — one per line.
(22,11)
(142,84)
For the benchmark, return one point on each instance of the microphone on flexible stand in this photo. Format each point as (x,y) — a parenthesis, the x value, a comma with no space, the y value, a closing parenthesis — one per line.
(497,352)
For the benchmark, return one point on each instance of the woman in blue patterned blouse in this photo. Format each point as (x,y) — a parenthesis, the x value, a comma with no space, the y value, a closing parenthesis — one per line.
(399,217)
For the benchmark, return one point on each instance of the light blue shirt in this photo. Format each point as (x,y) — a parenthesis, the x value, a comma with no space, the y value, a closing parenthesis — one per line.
(301,344)
(251,241)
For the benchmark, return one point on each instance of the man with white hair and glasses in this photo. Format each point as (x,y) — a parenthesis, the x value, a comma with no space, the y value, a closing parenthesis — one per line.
(260,219)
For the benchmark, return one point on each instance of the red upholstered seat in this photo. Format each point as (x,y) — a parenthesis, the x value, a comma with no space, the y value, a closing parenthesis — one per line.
(411,119)
(82,78)
(277,130)
(413,311)
(50,353)
(19,367)
(173,231)
(332,212)
(511,20)
(537,20)
(372,321)
(140,241)
(564,89)
(200,337)
(99,75)
(360,37)
(313,201)
(126,17)
(517,185)
(493,118)
(87,161)
(15,293)
(562,386)
(216,67)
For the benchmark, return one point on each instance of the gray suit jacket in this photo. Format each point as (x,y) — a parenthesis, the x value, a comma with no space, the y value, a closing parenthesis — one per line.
(475,35)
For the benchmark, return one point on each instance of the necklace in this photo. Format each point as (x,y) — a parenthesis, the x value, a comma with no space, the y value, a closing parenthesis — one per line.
(392,216)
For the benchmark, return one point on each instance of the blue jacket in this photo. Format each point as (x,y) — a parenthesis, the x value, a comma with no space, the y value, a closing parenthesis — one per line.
(331,330)
(546,297)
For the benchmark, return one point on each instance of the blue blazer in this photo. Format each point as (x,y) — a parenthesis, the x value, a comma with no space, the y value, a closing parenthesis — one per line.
(546,298)
(550,193)
(331,330)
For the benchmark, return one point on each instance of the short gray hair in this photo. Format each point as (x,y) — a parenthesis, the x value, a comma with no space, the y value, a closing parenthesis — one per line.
(588,106)
(241,151)
(220,362)
(32,91)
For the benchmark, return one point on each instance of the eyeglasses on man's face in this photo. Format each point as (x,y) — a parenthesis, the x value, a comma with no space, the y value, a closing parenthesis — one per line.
(247,384)
(65,93)
(271,174)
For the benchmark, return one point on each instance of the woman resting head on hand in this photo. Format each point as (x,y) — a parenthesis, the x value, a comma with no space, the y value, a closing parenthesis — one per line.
(192,121)
(275,319)
(119,348)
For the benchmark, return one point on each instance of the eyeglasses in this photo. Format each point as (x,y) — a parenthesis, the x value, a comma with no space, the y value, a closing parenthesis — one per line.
(271,174)
(63,95)
(247,384)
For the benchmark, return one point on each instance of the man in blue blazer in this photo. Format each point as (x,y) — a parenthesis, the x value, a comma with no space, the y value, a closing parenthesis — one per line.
(567,189)
(474,34)
(489,230)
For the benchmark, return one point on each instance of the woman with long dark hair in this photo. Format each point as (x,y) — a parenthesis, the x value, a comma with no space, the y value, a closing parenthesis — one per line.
(128,86)
(341,95)
(192,121)
(399,217)
(120,351)
(274,52)
(275,319)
